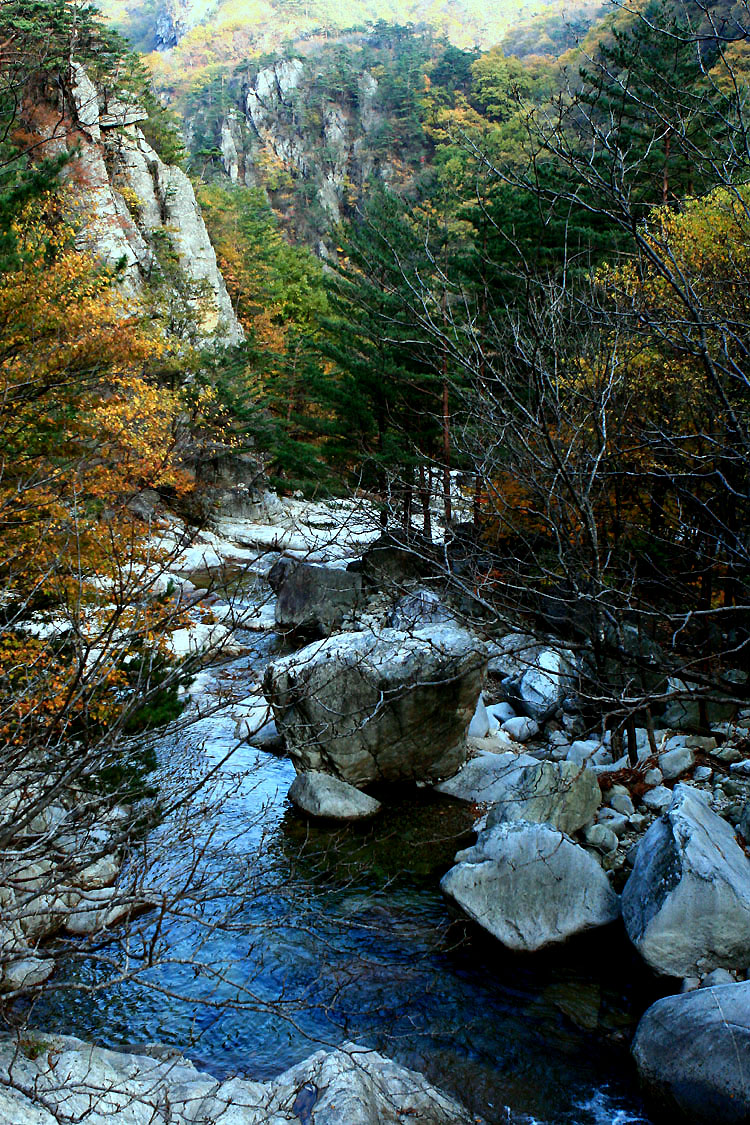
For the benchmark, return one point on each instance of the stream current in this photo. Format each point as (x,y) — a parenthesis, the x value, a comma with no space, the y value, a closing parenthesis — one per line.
(311,936)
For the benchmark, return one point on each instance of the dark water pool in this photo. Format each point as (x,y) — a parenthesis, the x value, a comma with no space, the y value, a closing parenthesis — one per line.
(309,937)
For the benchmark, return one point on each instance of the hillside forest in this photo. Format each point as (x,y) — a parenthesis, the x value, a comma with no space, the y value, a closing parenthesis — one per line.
(478,270)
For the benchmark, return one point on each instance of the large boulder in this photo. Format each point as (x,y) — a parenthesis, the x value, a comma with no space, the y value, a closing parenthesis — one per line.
(561,794)
(693,1054)
(386,706)
(54,1076)
(313,598)
(530,886)
(320,795)
(686,905)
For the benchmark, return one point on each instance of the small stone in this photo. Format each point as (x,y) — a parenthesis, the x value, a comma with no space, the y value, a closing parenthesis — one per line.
(621,802)
(638,822)
(26,973)
(718,976)
(659,799)
(602,757)
(734,788)
(702,773)
(653,777)
(618,823)
(689,984)
(520,728)
(706,743)
(676,762)
(602,838)
(728,754)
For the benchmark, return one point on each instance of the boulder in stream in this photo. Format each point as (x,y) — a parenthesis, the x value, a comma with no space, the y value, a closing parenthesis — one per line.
(379,706)
(313,598)
(321,795)
(530,886)
(693,1054)
(686,905)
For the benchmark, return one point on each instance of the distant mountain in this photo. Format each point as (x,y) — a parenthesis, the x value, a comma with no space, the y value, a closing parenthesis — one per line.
(226,30)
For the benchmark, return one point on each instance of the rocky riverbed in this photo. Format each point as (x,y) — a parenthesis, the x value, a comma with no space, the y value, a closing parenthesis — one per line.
(535,830)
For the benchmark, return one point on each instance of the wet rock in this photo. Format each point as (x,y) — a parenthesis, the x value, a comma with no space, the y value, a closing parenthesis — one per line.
(320,795)
(482,724)
(530,886)
(379,706)
(686,905)
(693,1054)
(313,598)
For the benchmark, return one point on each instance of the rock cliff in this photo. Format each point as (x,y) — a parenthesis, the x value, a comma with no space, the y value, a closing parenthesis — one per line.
(135,213)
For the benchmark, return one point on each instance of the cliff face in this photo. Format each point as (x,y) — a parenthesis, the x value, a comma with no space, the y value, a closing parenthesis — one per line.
(316,128)
(137,213)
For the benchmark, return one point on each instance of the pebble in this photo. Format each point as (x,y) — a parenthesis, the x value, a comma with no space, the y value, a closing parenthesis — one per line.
(703,773)
(602,838)
(653,777)
(520,728)
(658,799)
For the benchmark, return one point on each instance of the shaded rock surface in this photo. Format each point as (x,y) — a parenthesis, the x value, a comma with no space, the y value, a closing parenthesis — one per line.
(693,1054)
(379,706)
(349,1086)
(487,778)
(319,794)
(557,793)
(313,598)
(686,905)
(530,886)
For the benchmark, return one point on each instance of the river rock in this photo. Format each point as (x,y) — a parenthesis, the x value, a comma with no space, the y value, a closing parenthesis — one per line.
(379,706)
(350,1086)
(545,685)
(686,905)
(420,607)
(675,762)
(487,778)
(556,793)
(320,794)
(693,1054)
(313,598)
(530,886)
(520,728)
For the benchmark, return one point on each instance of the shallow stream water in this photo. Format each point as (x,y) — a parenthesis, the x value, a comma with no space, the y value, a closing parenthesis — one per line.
(316,936)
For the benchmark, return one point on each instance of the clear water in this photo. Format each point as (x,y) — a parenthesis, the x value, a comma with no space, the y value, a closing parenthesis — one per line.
(309,936)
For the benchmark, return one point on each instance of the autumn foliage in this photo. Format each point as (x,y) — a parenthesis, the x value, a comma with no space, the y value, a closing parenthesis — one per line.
(83,430)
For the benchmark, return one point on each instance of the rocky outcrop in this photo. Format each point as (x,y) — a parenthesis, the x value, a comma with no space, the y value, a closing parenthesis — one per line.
(48,1076)
(320,795)
(530,886)
(693,1055)
(379,706)
(131,205)
(686,905)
